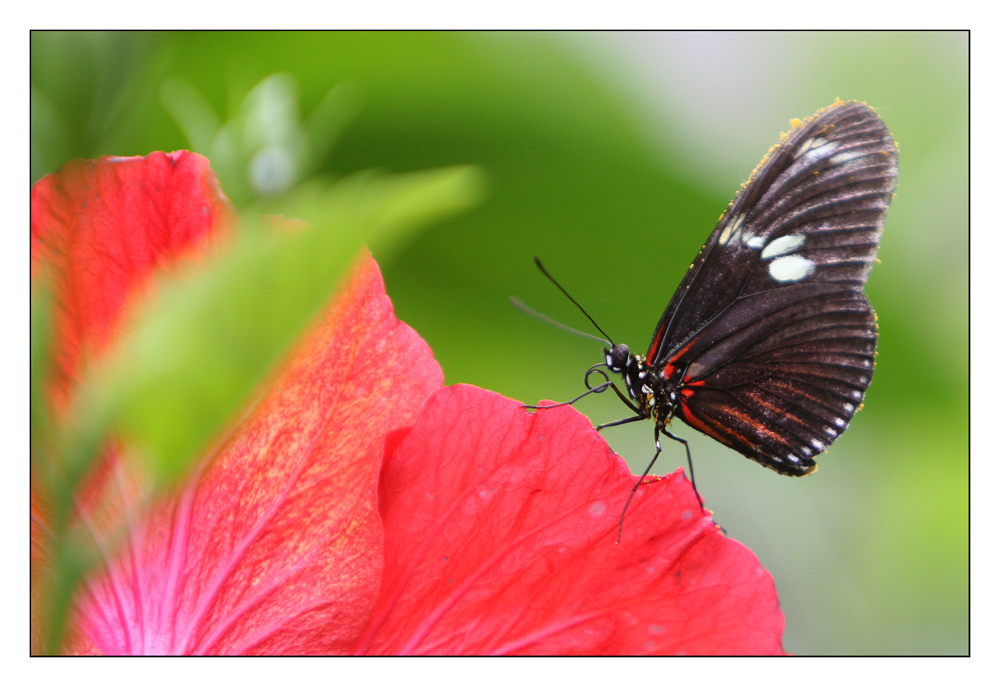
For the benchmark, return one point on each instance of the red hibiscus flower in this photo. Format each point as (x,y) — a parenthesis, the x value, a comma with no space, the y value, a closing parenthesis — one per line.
(359,507)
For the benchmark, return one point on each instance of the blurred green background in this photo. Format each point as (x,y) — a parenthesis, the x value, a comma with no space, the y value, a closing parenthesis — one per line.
(611,156)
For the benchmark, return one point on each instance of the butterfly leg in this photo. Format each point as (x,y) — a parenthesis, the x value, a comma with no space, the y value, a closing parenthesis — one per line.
(623,421)
(687,449)
(596,390)
(621,520)
(626,401)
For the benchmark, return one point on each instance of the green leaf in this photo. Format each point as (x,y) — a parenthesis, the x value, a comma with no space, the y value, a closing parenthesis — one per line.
(195,357)
(41,360)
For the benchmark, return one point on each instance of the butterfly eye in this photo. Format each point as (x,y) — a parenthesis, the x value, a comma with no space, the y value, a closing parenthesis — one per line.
(618,357)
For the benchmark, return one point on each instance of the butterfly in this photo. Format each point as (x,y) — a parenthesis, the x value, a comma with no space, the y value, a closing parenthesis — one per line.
(768,344)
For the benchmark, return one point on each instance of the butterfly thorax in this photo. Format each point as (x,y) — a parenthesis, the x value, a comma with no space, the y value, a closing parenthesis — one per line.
(654,395)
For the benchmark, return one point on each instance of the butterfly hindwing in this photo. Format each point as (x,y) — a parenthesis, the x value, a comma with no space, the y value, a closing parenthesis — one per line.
(794,383)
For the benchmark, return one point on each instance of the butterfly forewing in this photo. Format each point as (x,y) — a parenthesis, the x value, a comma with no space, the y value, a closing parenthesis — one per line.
(770,330)
(812,212)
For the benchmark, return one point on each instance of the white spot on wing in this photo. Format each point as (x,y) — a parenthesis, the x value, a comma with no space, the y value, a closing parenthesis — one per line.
(754,241)
(732,229)
(840,421)
(818,444)
(825,149)
(806,144)
(846,156)
(782,245)
(818,144)
(830,430)
(849,407)
(791,268)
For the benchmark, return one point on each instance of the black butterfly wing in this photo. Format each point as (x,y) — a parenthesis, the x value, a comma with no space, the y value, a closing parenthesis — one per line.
(778,379)
(770,334)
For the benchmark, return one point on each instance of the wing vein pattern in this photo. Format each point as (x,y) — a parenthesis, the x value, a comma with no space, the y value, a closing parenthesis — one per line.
(770,331)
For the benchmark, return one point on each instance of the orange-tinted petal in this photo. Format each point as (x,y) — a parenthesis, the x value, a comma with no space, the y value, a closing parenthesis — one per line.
(276,547)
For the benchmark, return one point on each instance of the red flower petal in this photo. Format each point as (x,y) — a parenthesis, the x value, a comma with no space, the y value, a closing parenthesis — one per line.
(100,228)
(277,547)
(500,538)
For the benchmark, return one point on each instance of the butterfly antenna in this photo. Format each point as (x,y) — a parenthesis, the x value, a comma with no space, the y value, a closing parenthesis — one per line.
(566,293)
(519,304)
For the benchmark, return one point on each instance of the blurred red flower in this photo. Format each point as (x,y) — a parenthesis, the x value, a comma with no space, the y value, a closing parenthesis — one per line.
(360,507)
(101,228)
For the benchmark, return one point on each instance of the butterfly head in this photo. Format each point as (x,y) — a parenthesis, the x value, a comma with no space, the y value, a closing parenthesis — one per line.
(621,360)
